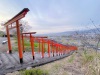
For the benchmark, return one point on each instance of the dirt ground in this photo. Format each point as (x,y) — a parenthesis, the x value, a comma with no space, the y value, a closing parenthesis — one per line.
(76,64)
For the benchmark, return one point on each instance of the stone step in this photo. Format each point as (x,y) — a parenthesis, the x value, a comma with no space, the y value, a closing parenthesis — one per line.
(6,62)
(10,62)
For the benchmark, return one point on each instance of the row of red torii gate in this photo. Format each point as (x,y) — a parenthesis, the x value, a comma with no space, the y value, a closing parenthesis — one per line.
(52,45)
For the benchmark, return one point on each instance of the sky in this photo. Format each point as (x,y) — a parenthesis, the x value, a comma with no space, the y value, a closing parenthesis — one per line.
(53,16)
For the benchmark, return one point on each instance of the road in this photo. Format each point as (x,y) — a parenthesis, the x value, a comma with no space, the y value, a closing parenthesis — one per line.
(3,47)
(2,39)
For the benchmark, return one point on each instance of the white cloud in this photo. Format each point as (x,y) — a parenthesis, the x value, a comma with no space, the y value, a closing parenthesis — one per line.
(52,15)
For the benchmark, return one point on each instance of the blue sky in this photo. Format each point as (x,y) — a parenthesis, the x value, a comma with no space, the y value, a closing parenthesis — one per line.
(48,16)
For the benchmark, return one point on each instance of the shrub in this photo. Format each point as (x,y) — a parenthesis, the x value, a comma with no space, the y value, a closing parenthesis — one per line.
(34,72)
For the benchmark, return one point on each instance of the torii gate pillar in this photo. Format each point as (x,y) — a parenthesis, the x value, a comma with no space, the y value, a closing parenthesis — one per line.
(8,37)
(19,42)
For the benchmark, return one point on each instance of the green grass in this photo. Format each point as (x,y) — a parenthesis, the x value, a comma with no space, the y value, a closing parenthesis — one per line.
(57,66)
(87,57)
(27,45)
(34,72)
(93,70)
(26,42)
(71,59)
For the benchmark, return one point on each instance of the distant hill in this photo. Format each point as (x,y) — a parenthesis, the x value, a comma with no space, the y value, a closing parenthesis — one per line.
(89,31)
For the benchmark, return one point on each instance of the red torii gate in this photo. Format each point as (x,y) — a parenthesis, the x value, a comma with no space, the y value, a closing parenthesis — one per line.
(59,48)
(32,39)
(9,25)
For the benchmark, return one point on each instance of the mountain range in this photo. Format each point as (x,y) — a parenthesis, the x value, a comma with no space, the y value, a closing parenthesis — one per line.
(88,31)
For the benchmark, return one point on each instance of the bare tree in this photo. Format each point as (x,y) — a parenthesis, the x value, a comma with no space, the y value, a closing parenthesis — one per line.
(25,26)
(97,35)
